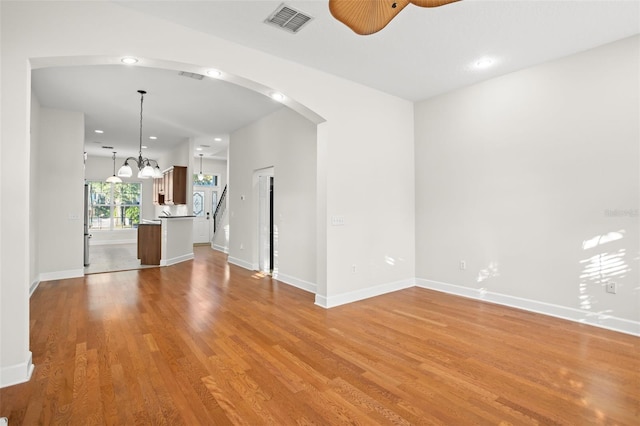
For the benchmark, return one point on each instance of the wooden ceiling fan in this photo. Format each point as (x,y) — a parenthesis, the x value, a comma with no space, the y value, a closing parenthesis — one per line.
(366,17)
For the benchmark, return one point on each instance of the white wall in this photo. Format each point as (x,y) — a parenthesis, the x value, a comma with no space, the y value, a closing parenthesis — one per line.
(370,184)
(517,176)
(360,122)
(212,166)
(285,141)
(34,129)
(60,194)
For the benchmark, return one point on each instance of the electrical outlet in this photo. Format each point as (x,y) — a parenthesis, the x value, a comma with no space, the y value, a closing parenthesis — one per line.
(611,287)
(463,265)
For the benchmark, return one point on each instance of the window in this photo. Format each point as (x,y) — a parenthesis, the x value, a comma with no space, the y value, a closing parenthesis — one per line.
(208,180)
(114,205)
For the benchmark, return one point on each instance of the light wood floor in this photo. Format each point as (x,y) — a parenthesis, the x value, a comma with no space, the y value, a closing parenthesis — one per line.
(207,343)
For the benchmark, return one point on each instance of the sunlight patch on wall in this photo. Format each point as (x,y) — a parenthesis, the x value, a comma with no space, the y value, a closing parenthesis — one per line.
(600,267)
(602,239)
(490,271)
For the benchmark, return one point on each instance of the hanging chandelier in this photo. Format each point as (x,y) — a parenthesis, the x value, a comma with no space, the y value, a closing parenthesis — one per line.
(200,175)
(145,169)
(114,178)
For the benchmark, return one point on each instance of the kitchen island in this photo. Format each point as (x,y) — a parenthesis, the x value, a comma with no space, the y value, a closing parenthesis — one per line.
(171,237)
(177,239)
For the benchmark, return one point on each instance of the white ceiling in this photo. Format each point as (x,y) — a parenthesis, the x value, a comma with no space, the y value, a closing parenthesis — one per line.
(423,52)
(174,108)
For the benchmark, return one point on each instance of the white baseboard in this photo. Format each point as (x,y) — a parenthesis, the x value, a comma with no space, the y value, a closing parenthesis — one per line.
(296,282)
(17,373)
(174,260)
(585,317)
(283,278)
(223,249)
(61,275)
(241,263)
(354,296)
(34,285)
(93,242)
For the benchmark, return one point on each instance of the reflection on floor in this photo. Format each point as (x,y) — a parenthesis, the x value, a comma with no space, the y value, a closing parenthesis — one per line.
(113,257)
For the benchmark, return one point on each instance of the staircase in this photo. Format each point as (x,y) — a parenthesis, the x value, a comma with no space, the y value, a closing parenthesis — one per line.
(221,208)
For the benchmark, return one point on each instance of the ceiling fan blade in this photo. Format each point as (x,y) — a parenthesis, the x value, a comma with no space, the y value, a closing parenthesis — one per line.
(431,3)
(366,17)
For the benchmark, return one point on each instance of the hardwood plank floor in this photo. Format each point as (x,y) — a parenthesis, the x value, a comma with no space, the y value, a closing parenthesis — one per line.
(207,343)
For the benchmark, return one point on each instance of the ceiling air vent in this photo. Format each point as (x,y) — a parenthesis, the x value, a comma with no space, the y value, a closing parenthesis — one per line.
(191,75)
(107,147)
(288,18)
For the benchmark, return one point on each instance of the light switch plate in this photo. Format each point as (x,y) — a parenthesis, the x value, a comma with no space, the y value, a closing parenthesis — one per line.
(337,220)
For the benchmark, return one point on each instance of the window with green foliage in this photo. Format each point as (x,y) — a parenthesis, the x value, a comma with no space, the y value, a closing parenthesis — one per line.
(207,180)
(114,205)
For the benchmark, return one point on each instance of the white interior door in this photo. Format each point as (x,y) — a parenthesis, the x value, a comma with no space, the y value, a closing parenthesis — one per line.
(204,205)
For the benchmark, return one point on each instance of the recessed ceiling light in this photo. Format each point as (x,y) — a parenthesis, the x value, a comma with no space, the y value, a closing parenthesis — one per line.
(99,131)
(129,60)
(153,137)
(217,139)
(198,149)
(144,147)
(484,63)
(277,96)
(214,73)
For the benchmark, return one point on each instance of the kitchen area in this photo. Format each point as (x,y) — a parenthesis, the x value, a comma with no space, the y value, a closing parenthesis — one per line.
(161,234)
(84,139)
(169,238)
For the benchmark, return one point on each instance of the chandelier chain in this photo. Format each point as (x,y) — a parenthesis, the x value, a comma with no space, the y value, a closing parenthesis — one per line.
(140,150)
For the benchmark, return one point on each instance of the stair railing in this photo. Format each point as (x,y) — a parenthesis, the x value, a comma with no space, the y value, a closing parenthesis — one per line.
(220,209)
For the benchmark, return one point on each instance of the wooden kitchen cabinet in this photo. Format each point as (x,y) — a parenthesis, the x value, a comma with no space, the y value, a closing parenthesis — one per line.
(175,185)
(172,187)
(158,191)
(149,241)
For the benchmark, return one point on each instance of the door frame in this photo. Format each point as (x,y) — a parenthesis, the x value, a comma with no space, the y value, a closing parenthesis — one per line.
(264,215)
(209,190)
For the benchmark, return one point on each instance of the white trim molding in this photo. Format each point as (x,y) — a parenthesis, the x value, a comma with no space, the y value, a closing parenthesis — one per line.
(34,285)
(295,282)
(365,293)
(223,249)
(17,373)
(93,242)
(61,275)
(174,260)
(241,263)
(577,315)
(595,319)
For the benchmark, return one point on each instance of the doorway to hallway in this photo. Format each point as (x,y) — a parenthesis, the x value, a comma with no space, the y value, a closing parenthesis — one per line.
(267,232)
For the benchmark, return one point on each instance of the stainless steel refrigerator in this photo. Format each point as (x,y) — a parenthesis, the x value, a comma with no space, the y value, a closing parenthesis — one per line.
(87,236)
